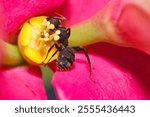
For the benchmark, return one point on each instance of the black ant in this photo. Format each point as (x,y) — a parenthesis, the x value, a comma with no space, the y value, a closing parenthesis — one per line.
(54,21)
(67,54)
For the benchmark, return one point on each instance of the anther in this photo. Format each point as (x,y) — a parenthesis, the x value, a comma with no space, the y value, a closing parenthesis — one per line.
(51,26)
(56,37)
(47,23)
(46,35)
(58,32)
(44,22)
(44,39)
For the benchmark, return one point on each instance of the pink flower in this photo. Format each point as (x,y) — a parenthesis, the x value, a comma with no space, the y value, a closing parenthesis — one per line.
(20,82)
(117,72)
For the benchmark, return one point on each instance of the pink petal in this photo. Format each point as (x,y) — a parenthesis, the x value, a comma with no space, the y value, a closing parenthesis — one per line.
(21,83)
(15,12)
(127,22)
(77,10)
(119,73)
(134,24)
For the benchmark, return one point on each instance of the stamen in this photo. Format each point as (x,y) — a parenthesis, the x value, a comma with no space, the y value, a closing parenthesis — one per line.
(58,32)
(51,37)
(47,23)
(46,35)
(56,37)
(44,22)
(44,39)
(44,31)
(51,26)
(35,38)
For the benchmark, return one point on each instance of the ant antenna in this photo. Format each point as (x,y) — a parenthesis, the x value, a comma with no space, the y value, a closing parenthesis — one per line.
(79,48)
(59,16)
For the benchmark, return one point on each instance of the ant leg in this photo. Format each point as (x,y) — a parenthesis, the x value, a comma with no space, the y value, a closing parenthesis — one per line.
(68,32)
(86,54)
(50,50)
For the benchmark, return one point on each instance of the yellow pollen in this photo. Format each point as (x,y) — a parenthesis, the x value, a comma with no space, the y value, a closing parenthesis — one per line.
(47,23)
(47,35)
(52,26)
(44,39)
(44,31)
(51,37)
(35,39)
(58,32)
(56,37)
(44,22)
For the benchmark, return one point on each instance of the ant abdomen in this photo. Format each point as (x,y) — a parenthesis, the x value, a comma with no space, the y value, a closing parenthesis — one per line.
(66,58)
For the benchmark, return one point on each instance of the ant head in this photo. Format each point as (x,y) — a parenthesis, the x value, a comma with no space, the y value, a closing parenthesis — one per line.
(54,21)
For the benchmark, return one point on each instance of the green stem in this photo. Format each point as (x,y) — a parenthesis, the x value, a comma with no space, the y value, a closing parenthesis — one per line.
(86,33)
(10,54)
(99,28)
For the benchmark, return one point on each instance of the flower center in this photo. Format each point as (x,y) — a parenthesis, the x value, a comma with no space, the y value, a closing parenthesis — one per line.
(36,37)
